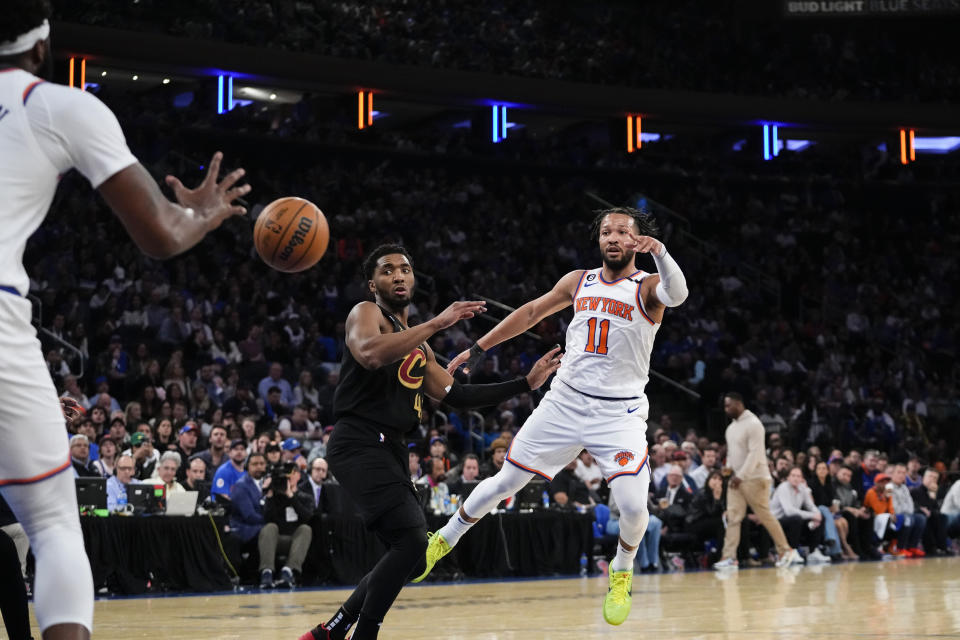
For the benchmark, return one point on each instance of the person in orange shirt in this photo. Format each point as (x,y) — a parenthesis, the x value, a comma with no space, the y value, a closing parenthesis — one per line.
(879,499)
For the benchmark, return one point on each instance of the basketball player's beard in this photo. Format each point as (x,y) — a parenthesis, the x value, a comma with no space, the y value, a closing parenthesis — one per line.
(626,258)
(393,302)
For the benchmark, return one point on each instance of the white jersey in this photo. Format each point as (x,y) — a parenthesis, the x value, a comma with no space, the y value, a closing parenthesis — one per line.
(609,340)
(45,130)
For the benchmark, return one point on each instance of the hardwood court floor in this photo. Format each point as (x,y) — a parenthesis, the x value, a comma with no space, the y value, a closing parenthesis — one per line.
(899,599)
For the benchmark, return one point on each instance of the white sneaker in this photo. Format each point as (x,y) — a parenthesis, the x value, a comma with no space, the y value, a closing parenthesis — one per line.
(730,564)
(817,557)
(789,558)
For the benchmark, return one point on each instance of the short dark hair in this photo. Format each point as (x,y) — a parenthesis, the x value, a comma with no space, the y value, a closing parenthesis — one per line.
(21,16)
(733,395)
(370,262)
(471,456)
(255,454)
(644,222)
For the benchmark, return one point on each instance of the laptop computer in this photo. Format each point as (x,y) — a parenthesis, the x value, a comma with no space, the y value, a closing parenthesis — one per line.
(466,488)
(91,493)
(182,503)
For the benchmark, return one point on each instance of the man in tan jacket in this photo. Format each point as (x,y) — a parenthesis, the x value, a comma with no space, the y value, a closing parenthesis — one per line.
(749,483)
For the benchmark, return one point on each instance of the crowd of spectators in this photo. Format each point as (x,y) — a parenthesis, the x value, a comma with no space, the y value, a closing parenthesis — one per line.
(688,45)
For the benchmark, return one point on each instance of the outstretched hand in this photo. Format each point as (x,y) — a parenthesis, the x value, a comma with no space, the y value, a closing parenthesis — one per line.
(212,201)
(462,310)
(545,367)
(72,410)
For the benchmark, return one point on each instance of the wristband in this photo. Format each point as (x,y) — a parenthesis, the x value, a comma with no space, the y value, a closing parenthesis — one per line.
(476,355)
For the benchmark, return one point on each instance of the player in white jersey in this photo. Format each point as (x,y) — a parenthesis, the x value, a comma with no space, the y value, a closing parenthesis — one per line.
(46,130)
(597,401)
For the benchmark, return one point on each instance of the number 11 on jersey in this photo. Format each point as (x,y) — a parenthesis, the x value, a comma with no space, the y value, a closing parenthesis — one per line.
(594,346)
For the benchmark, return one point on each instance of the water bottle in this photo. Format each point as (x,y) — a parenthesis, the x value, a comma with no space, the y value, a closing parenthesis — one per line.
(122,502)
(583,564)
(446,504)
(546,500)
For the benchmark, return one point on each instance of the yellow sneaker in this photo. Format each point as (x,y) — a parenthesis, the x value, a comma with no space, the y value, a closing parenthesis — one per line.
(616,604)
(437,547)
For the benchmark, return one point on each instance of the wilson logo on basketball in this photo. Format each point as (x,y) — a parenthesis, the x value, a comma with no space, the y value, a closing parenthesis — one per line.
(303,228)
(623,458)
(406,374)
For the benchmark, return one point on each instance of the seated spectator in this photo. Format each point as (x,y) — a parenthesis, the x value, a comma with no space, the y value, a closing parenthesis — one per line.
(914,477)
(836,528)
(589,472)
(859,519)
(868,469)
(914,521)
(80,457)
(567,490)
(246,497)
(708,459)
(243,403)
(230,472)
(705,515)
(792,505)
(438,449)
(313,483)
(273,408)
(658,465)
(672,501)
(166,472)
(117,484)
(879,499)
(292,451)
(165,440)
(108,457)
(187,443)
(298,425)
(118,431)
(925,500)
(216,454)
(196,473)
(275,379)
(286,512)
(144,455)
(469,474)
(416,471)
(498,454)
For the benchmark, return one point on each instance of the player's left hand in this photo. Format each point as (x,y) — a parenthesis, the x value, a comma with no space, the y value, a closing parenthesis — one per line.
(72,410)
(644,244)
(544,368)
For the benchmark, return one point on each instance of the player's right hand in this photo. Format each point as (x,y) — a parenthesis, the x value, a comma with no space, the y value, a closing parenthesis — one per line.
(212,200)
(462,310)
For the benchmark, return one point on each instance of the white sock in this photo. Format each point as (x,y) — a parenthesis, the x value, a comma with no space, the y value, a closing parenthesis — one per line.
(455,528)
(623,561)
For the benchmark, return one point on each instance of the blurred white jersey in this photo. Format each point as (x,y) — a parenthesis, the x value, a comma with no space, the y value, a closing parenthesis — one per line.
(609,340)
(45,130)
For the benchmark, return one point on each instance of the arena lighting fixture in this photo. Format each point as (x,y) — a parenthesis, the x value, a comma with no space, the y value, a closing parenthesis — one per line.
(938,144)
(908,153)
(136,77)
(273,96)
(224,93)
(166,81)
(796,145)
(103,74)
(738,145)
(82,84)
(635,135)
(364,109)
(771,141)
(500,124)
(766,142)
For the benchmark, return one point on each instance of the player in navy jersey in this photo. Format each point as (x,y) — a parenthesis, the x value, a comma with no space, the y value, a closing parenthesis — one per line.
(387,368)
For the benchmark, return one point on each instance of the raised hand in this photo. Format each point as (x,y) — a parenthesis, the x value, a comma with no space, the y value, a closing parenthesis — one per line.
(458,311)
(212,201)
(644,244)
(544,368)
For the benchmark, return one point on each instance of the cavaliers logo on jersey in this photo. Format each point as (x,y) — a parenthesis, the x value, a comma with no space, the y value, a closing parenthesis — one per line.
(411,369)
(623,458)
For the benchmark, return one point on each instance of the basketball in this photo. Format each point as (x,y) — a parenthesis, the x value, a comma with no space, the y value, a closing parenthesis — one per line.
(291,234)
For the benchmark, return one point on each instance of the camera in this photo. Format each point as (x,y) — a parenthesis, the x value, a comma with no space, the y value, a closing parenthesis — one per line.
(279,473)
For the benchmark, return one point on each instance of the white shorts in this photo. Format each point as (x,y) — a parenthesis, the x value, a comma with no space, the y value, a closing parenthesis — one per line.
(566,422)
(33,433)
